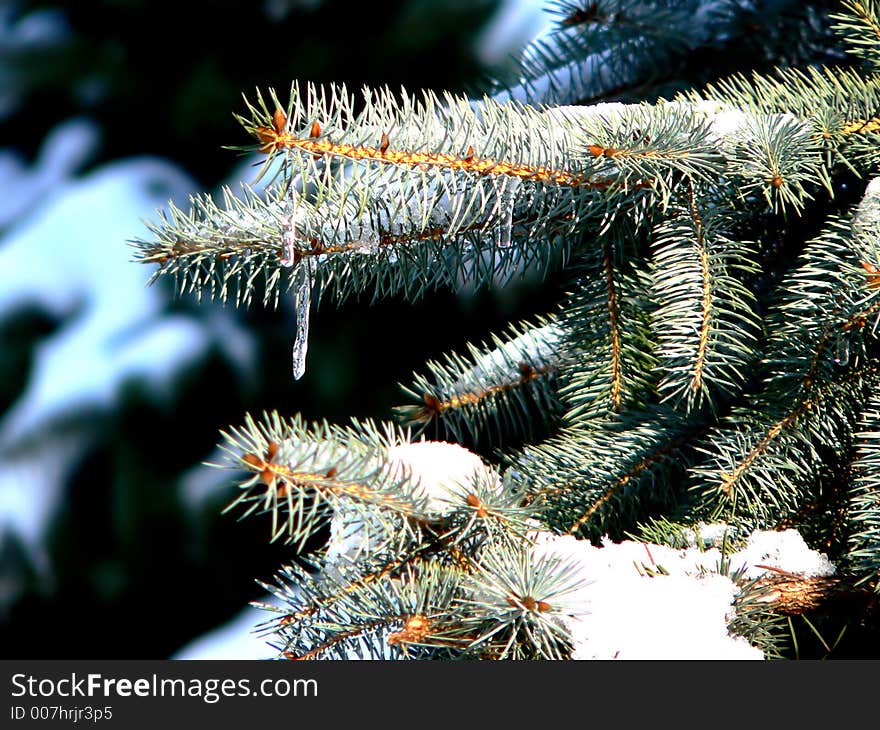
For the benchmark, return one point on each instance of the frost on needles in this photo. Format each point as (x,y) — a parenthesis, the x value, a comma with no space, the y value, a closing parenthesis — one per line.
(712,361)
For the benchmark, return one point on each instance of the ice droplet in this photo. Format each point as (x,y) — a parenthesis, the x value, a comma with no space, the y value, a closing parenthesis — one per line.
(302,292)
(841,350)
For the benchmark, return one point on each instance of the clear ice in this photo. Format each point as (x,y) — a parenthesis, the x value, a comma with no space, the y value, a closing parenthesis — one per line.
(506,204)
(302,292)
(288,235)
(841,350)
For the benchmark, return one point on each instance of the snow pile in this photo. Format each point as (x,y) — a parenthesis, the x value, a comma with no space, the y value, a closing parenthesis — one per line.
(640,600)
(708,535)
(648,601)
(785,550)
(624,612)
(636,601)
(631,615)
(444,474)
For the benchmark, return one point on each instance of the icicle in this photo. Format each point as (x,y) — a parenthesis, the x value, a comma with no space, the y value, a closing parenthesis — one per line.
(302,282)
(288,220)
(302,292)
(505,206)
(841,350)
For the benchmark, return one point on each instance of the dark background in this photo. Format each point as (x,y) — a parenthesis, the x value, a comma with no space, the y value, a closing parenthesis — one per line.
(132,571)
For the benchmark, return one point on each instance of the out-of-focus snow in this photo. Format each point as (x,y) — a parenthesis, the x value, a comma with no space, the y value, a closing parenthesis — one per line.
(69,258)
(515,23)
(39,27)
(30,489)
(278,10)
(64,151)
(203,483)
(253,174)
(72,262)
(235,639)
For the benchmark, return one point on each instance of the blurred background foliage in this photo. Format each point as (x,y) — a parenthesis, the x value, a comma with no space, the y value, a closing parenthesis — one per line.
(133,558)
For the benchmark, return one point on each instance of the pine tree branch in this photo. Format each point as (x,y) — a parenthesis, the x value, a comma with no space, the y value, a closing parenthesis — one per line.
(606,326)
(605,46)
(398,194)
(860,29)
(706,326)
(827,299)
(614,331)
(762,464)
(600,477)
(389,226)
(863,545)
(840,106)
(491,395)
(301,474)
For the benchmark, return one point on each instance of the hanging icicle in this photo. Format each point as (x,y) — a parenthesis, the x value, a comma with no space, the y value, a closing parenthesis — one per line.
(302,293)
(507,191)
(288,235)
(302,282)
(841,350)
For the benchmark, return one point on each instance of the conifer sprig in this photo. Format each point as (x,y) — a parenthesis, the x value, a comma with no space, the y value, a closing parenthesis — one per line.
(492,395)
(606,322)
(406,220)
(842,107)
(859,26)
(864,499)
(299,475)
(514,602)
(706,324)
(763,463)
(599,477)
(604,47)
(688,375)
(335,616)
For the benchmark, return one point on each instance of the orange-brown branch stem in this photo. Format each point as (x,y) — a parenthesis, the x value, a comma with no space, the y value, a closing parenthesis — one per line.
(434,407)
(273,141)
(706,311)
(614,327)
